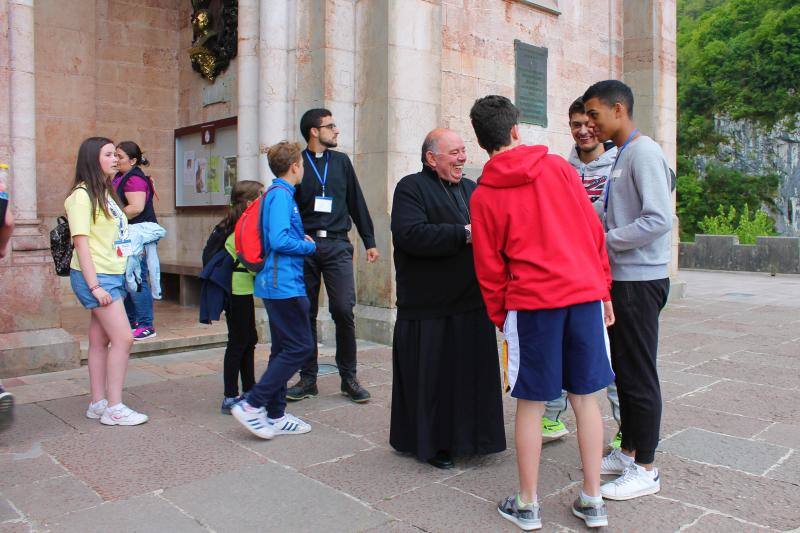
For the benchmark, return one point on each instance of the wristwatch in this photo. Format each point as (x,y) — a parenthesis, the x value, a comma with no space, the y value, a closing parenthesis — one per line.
(469,233)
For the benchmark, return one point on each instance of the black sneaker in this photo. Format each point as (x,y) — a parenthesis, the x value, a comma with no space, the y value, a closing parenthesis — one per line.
(6,409)
(304,388)
(526,517)
(353,390)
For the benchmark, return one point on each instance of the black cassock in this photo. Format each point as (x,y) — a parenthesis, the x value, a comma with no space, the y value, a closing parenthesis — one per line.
(446,390)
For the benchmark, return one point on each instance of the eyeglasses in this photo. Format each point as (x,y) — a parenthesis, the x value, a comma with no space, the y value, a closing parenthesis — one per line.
(331,126)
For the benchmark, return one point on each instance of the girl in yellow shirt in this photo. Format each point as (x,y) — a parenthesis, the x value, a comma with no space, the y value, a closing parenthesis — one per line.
(99,231)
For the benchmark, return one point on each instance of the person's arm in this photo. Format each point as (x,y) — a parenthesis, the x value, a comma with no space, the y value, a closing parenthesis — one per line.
(651,177)
(413,233)
(357,208)
(491,268)
(279,211)
(136,201)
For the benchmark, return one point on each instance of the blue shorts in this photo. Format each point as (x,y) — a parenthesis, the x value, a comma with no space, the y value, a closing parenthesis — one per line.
(113,284)
(554,349)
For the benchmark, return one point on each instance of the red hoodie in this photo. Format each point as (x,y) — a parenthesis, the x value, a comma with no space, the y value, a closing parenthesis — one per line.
(537,241)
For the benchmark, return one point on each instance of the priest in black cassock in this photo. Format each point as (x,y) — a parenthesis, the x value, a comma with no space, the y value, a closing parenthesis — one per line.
(446,391)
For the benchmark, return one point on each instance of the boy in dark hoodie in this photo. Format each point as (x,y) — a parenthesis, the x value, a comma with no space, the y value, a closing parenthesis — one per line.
(541,262)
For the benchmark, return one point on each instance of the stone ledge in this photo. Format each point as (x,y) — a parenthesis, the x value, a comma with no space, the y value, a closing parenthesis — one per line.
(36,351)
(779,255)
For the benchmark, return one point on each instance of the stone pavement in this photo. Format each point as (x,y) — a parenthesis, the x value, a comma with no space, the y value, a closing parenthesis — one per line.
(730,368)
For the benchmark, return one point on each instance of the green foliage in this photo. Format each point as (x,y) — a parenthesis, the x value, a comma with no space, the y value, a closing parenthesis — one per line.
(700,197)
(747,228)
(739,58)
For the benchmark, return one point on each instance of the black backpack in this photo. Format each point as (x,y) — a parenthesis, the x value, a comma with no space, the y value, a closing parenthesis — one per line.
(61,246)
(215,243)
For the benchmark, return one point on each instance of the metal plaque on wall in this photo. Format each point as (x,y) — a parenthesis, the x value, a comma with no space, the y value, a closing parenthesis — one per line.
(530,72)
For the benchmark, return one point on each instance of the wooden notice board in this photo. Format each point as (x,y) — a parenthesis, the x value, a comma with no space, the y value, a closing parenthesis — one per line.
(205,163)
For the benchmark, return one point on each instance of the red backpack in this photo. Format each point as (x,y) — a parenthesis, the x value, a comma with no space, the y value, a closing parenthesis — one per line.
(248,234)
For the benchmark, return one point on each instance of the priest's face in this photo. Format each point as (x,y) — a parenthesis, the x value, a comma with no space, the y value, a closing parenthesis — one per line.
(449,157)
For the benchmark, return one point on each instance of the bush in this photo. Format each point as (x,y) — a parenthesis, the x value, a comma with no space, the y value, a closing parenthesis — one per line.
(747,228)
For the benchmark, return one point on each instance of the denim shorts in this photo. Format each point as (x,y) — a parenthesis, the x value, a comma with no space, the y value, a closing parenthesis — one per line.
(113,284)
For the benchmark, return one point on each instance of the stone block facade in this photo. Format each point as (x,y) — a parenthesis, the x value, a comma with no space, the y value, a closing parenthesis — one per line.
(776,255)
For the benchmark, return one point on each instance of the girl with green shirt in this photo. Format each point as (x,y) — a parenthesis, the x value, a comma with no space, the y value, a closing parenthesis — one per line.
(240,313)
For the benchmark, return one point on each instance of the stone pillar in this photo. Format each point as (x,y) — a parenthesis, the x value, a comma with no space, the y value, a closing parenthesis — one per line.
(397,100)
(649,66)
(248,77)
(31,338)
(273,104)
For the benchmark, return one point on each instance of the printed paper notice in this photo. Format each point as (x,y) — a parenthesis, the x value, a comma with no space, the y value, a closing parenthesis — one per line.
(212,175)
(200,175)
(188,168)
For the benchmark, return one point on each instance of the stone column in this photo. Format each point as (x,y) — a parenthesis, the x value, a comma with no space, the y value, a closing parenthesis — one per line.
(649,66)
(31,338)
(273,103)
(397,101)
(247,62)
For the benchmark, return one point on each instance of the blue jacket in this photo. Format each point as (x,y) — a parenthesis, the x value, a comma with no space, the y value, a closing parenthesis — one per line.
(215,286)
(284,245)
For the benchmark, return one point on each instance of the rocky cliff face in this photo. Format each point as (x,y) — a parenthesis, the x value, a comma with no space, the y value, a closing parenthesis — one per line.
(754,150)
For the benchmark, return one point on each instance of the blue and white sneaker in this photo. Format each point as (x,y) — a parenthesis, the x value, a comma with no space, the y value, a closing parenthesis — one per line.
(254,419)
(289,425)
(527,517)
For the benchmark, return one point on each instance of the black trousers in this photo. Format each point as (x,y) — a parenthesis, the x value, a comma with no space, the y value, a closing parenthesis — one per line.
(242,339)
(333,262)
(634,348)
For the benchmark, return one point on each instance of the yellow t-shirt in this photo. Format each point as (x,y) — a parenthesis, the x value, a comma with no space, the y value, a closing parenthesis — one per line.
(102,231)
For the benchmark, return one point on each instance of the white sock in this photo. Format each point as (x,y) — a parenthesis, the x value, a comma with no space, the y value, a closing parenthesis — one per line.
(627,459)
(98,404)
(594,501)
(117,407)
(273,420)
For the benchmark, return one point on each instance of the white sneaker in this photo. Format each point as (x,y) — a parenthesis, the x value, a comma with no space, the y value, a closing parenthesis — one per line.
(96,410)
(289,425)
(122,415)
(255,420)
(634,482)
(615,463)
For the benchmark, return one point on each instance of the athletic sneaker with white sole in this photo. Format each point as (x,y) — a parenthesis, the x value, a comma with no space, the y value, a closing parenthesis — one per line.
(254,419)
(527,517)
(592,515)
(96,410)
(6,409)
(615,463)
(636,481)
(122,415)
(289,425)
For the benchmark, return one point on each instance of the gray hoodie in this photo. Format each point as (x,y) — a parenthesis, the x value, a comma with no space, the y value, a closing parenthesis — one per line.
(639,217)
(594,173)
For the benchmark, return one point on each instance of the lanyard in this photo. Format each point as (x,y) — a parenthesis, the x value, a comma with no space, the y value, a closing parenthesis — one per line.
(323,179)
(616,160)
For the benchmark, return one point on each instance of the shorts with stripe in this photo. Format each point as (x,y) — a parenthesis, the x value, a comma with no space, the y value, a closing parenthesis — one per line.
(554,349)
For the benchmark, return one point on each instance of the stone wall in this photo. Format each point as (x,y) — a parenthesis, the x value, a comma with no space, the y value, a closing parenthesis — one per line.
(723,252)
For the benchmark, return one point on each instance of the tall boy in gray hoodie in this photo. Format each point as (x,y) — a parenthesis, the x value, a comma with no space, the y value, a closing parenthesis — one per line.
(637,215)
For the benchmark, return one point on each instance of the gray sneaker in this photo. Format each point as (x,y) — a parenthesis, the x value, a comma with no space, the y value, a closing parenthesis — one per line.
(593,516)
(526,518)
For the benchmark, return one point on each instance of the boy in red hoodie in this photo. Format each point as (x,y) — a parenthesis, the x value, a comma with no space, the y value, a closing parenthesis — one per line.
(540,258)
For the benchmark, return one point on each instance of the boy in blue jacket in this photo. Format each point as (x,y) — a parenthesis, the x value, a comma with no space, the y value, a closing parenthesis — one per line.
(280,283)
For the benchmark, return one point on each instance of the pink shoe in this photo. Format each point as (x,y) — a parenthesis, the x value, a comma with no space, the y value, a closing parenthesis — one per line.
(145,332)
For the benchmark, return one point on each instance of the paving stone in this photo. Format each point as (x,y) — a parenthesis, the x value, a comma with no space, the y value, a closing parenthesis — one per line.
(693,378)
(32,423)
(771,359)
(355,419)
(782,434)
(676,416)
(144,458)
(396,526)
(497,477)
(318,404)
(26,468)
(714,523)
(47,391)
(15,527)
(752,498)
(382,395)
(372,376)
(52,497)
(7,512)
(72,411)
(717,449)
(438,508)
(752,372)
(381,354)
(142,514)
(376,474)
(670,390)
(788,470)
(756,401)
(691,357)
(641,515)
(248,499)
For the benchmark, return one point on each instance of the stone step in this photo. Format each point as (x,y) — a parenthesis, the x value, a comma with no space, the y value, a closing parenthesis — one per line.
(170,344)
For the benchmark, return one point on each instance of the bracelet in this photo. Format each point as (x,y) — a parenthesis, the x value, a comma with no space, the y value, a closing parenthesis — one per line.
(92,289)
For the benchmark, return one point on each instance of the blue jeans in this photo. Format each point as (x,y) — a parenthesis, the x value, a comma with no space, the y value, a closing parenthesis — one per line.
(555,408)
(291,347)
(139,305)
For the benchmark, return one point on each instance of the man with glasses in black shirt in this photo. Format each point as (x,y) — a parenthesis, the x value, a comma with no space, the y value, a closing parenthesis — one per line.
(329,197)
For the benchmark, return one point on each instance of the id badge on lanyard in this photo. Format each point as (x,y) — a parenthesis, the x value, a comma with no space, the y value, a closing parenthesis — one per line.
(322,203)
(122,245)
